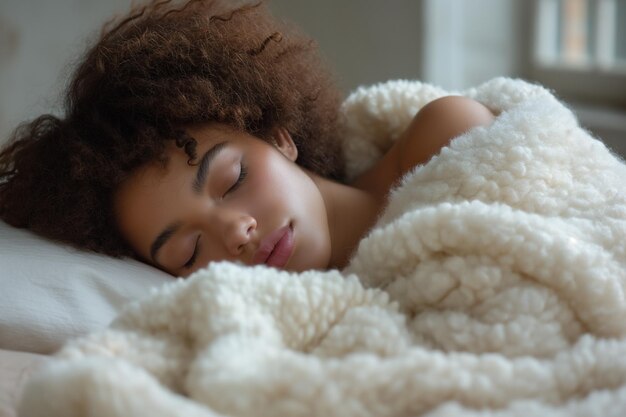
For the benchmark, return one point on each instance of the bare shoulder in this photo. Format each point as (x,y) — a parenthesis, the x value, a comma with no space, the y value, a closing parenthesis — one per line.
(432,128)
(436,124)
(458,113)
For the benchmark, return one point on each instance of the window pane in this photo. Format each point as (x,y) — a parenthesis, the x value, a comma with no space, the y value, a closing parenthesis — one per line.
(574,30)
(582,34)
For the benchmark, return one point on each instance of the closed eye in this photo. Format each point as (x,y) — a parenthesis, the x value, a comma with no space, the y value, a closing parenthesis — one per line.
(243,172)
(194,255)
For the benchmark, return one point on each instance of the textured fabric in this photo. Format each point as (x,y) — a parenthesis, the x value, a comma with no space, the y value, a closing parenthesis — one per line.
(493,285)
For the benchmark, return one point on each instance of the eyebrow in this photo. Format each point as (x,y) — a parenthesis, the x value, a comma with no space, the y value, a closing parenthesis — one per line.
(205,163)
(162,238)
(201,174)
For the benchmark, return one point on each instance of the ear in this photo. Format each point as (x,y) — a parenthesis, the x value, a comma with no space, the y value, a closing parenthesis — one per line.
(284,143)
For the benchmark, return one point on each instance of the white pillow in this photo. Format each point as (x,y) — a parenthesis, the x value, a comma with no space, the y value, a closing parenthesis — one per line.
(50,292)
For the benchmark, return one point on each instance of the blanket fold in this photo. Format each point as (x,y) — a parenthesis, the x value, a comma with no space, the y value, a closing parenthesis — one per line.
(492,285)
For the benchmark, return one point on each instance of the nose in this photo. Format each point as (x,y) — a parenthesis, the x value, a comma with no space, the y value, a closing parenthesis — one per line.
(238,231)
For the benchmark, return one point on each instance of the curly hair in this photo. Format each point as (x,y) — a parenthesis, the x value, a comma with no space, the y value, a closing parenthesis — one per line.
(160,68)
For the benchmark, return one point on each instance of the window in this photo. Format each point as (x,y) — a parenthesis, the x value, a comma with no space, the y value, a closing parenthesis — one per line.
(579,49)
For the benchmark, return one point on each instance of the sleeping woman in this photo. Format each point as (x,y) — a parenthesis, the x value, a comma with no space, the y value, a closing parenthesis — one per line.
(196,133)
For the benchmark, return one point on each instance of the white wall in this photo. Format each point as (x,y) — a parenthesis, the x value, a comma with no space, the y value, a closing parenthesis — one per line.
(38,40)
(452,43)
(366,41)
(469,42)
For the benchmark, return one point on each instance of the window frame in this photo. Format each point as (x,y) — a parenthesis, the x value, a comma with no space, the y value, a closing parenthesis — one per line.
(591,84)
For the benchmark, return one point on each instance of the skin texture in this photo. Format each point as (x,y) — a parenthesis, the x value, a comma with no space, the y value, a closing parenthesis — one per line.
(228,215)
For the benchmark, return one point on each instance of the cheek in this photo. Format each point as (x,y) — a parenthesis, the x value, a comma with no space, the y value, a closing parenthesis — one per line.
(267,190)
(283,186)
(277,187)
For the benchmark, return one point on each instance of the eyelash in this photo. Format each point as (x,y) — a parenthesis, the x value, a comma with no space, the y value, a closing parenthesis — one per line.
(194,255)
(243,172)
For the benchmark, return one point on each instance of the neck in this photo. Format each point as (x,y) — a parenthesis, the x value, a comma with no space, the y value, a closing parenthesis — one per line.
(352,212)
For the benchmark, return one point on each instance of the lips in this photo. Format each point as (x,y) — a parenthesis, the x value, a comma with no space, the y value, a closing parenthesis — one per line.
(276,248)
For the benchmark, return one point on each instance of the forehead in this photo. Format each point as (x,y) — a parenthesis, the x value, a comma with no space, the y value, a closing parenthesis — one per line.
(175,158)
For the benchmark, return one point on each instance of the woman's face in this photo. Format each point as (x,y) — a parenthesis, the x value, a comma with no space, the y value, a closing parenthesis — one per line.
(242,200)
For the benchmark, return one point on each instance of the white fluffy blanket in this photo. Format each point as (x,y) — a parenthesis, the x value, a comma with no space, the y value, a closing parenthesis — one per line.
(493,285)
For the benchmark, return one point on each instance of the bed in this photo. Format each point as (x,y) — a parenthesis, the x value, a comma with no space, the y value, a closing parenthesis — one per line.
(493,285)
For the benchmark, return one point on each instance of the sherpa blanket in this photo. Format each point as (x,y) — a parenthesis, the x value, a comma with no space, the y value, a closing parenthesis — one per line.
(492,285)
